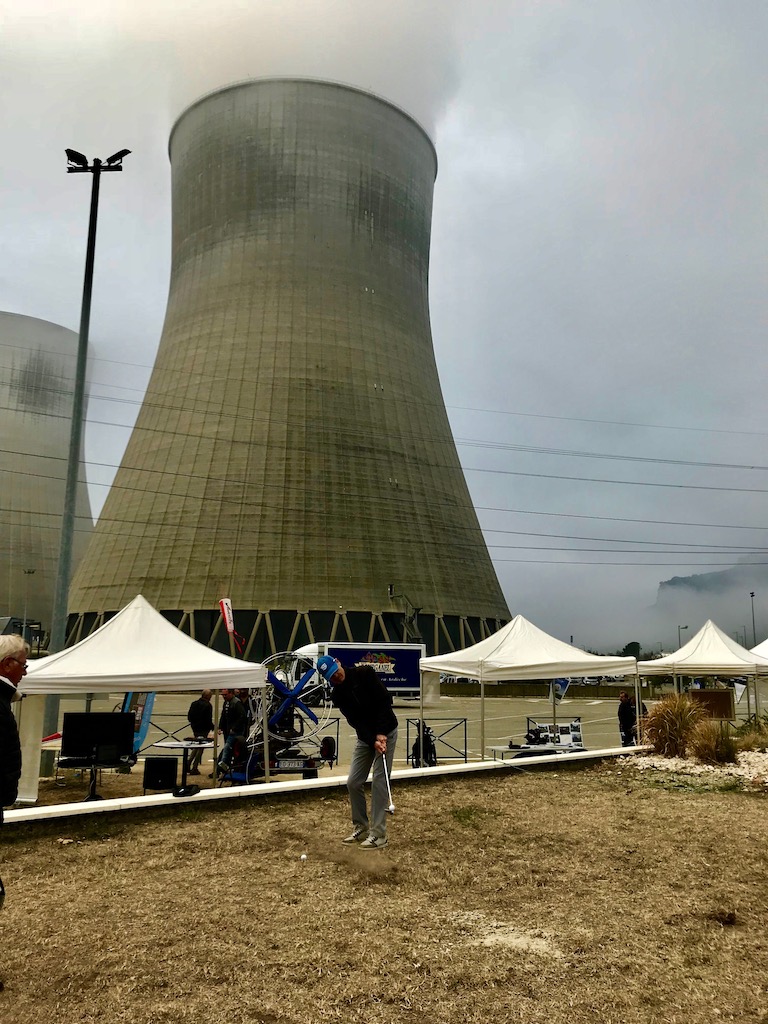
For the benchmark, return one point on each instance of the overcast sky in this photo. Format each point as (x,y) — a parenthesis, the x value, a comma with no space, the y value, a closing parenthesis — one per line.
(599,253)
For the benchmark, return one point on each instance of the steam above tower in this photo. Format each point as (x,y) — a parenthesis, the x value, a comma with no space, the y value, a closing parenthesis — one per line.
(293,451)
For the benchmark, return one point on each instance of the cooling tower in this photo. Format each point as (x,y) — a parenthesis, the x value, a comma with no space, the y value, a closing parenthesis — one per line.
(293,450)
(37,371)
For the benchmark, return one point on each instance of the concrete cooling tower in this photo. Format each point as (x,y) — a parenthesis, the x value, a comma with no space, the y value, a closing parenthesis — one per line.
(293,450)
(37,372)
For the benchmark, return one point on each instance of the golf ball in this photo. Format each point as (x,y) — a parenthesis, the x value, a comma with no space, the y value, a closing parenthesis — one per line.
(391,808)
(303,856)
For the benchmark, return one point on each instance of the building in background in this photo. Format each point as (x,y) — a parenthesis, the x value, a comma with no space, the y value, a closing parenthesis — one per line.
(37,372)
(293,451)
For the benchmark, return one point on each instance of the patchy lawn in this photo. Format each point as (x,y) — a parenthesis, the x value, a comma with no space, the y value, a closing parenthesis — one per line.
(605,895)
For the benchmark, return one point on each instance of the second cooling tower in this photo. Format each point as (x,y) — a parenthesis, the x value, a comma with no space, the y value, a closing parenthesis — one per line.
(293,450)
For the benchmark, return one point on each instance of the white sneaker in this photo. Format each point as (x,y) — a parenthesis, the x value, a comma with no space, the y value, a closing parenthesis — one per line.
(374,843)
(357,835)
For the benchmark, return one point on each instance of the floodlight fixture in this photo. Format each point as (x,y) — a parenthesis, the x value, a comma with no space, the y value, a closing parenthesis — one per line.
(75,159)
(116,158)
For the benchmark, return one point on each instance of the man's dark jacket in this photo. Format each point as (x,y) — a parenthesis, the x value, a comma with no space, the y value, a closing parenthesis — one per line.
(627,717)
(200,716)
(234,718)
(10,748)
(365,702)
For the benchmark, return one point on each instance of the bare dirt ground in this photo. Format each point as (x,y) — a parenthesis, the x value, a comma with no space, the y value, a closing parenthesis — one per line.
(606,894)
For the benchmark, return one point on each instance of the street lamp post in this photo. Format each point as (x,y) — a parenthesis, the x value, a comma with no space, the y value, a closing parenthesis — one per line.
(679,639)
(754,631)
(76,164)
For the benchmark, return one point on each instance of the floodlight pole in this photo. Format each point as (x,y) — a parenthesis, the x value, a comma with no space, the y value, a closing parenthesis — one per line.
(64,569)
(754,631)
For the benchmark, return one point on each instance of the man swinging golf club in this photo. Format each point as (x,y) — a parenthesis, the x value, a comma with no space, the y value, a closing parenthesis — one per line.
(367,705)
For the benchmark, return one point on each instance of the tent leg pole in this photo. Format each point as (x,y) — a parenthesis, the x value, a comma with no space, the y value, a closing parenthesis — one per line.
(482,715)
(554,710)
(215,735)
(265,730)
(421,720)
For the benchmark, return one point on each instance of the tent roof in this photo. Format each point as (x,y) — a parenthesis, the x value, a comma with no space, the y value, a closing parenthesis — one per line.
(521,650)
(138,649)
(709,652)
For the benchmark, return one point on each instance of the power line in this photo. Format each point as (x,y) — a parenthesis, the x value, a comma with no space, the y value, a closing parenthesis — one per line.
(612,519)
(624,483)
(648,565)
(608,423)
(500,446)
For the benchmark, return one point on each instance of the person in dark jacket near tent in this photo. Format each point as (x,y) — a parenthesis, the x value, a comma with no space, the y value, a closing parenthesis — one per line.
(14,651)
(200,717)
(627,720)
(13,665)
(233,724)
(367,705)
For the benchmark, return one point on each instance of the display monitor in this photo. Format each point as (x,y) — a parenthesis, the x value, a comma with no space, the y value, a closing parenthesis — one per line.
(106,736)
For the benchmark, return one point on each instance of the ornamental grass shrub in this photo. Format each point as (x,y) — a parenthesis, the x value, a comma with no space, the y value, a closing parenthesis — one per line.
(670,724)
(713,742)
(753,734)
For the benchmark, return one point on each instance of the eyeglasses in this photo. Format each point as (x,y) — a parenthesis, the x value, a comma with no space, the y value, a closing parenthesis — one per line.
(22,663)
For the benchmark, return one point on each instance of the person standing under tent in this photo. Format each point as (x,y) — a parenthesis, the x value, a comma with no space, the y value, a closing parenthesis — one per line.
(627,720)
(367,705)
(200,717)
(233,725)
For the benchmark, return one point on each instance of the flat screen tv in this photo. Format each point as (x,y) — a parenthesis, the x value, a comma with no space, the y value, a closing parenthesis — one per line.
(107,735)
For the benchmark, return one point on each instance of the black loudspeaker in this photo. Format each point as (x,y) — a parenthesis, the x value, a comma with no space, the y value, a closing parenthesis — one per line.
(160,772)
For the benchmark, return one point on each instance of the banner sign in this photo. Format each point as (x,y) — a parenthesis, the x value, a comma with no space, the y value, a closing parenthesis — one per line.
(557,689)
(229,621)
(226,610)
(397,668)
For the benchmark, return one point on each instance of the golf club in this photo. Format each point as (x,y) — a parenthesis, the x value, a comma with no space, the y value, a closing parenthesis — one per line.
(391,807)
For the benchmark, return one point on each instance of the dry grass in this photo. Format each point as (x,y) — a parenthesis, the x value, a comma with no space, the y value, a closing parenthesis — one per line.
(552,897)
(713,743)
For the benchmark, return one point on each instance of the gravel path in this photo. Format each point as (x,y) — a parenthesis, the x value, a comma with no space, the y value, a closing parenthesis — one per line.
(751,766)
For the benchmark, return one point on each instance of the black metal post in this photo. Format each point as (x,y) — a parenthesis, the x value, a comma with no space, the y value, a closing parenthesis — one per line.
(77,164)
(59,619)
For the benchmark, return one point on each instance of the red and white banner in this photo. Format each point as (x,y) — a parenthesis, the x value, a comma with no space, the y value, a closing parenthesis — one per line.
(226,610)
(229,621)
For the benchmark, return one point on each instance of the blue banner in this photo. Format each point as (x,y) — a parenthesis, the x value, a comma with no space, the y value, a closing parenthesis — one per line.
(397,668)
(557,689)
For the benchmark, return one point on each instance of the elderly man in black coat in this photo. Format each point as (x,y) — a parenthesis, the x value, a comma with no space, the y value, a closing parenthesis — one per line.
(14,651)
(13,665)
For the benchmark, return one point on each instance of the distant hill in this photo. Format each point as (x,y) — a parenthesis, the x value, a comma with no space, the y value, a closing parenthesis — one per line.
(722,596)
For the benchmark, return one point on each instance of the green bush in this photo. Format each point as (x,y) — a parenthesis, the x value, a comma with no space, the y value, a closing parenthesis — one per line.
(713,742)
(670,724)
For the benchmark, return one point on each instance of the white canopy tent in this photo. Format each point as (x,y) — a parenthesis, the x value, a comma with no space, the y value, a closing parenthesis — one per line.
(711,652)
(521,650)
(138,649)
